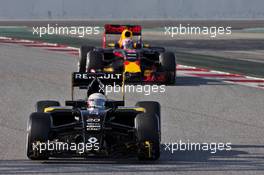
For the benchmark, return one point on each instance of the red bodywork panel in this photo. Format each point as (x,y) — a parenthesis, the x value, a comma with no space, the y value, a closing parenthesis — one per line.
(118,29)
(158,77)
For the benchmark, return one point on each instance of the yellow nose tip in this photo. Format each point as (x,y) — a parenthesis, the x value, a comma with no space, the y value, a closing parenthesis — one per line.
(132,67)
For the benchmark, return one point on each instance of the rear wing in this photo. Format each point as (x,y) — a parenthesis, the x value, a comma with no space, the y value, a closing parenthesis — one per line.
(95,82)
(118,29)
(85,79)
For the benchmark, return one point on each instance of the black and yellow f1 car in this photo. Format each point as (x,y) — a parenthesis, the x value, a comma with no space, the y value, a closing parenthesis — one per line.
(75,131)
(140,63)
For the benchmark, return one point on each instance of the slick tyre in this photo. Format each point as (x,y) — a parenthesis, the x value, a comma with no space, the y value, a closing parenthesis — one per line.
(147,133)
(94,61)
(38,130)
(83,57)
(41,105)
(168,65)
(152,107)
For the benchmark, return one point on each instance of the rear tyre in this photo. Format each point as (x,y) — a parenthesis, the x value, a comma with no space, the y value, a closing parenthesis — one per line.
(94,61)
(38,132)
(41,105)
(83,57)
(147,132)
(168,64)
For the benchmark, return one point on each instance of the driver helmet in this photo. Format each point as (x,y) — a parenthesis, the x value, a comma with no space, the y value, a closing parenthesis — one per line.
(96,100)
(127,43)
(126,40)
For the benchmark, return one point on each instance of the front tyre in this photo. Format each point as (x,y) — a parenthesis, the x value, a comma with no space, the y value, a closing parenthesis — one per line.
(151,107)
(147,132)
(38,130)
(94,61)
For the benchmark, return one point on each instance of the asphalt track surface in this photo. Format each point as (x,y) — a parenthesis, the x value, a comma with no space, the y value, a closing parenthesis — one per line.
(196,109)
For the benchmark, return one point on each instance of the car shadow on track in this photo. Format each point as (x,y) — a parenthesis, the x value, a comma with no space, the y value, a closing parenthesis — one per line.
(237,159)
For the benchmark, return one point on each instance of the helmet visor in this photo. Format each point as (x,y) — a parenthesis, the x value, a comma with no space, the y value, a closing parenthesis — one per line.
(96,103)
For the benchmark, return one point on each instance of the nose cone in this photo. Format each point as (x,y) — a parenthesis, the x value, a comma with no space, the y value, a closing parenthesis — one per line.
(132,67)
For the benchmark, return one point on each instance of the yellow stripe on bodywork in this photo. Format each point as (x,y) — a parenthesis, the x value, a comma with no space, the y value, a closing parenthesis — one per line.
(108,69)
(111,44)
(148,73)
(148,146)
(146,45)
(50,109)
(132,67)
(138,109)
